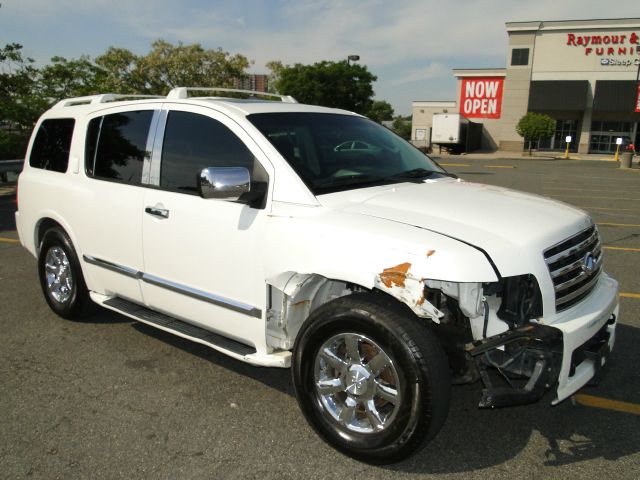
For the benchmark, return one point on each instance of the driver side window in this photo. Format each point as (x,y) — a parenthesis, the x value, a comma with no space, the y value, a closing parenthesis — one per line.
(193,142)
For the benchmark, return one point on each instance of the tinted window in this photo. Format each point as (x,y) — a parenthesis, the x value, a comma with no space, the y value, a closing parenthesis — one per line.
(339,152)
(193,142)
(91,143)
(52,144)
(122,141)
(520,56)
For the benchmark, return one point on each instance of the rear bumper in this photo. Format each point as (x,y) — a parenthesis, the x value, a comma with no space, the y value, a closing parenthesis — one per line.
(19,229)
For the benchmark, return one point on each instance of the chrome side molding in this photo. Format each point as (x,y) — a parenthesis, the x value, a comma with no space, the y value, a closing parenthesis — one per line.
(204,296)
(114,267)
(217,300)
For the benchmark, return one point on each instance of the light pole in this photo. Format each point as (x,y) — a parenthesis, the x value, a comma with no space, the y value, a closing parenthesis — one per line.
(352,58)
(637,109)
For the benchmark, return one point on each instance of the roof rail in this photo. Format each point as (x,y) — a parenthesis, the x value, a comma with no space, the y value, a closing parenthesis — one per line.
(102,98)
(182,93)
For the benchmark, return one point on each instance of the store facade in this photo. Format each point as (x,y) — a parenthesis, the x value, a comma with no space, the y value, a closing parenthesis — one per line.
(581,73)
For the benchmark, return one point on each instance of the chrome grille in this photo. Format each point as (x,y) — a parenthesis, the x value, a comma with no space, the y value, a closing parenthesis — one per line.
(568,265)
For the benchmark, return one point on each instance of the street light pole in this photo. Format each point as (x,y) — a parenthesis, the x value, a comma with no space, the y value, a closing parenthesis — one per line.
(352,58)
(638,77)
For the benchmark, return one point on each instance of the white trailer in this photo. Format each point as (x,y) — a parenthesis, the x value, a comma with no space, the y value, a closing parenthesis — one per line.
(455,132)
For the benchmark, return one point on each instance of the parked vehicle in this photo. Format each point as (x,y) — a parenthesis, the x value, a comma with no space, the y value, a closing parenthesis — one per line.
(456,133)
(381,279)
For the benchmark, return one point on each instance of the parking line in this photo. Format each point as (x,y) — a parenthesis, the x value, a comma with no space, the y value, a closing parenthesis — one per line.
(9,240)
(610,209)
(583,189)
(624,249)
(455,164)
(629,295)
(607,404)
(499,166)
(603,198)
(606,224)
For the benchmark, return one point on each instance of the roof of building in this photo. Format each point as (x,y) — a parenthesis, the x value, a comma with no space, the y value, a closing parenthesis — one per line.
(604,23)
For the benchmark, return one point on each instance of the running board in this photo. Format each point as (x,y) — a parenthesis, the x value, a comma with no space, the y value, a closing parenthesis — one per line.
(180,328)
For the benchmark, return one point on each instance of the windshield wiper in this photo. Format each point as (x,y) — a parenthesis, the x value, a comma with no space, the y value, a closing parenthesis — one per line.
(421,174)
(348,181)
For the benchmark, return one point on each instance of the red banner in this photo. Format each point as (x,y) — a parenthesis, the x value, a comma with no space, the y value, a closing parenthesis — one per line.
(638,100)
(481,97)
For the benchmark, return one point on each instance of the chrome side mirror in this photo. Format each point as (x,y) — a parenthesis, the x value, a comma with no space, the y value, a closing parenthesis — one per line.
(227,183)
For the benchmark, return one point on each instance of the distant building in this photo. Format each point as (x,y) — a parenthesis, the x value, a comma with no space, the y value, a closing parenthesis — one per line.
(582,73)
(255,82)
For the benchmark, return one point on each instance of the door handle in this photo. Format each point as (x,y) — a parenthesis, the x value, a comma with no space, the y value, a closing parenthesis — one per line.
(157,212)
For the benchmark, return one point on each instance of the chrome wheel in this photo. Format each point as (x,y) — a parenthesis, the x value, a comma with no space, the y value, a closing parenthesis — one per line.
(59,277)
(357,383)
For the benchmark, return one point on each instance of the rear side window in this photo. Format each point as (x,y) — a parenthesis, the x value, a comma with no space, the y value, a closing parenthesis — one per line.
(193,142)
(51,147)
(116,146)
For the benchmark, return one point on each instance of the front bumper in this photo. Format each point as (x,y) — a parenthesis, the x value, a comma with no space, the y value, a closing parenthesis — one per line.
(598,312)
(567,354)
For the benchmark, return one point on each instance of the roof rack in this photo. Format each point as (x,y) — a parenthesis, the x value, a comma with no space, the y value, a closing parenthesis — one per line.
(182,93)
(102,98)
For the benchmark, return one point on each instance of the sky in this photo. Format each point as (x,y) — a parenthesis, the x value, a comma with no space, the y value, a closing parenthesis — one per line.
(410,45)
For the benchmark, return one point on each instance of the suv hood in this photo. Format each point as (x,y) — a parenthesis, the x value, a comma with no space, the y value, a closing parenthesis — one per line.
(507,224)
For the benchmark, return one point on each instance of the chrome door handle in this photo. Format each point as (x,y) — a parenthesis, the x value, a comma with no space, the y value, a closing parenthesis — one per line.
(157,212)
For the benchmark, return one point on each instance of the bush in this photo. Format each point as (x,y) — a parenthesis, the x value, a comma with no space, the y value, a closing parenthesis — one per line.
(535,126)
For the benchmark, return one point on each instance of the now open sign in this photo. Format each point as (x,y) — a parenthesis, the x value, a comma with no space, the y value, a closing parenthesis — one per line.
(481,97)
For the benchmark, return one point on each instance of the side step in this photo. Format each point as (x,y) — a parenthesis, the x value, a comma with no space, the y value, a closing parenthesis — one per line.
(166,322)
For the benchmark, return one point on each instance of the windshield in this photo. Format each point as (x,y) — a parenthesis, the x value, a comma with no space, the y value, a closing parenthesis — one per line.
(333,152)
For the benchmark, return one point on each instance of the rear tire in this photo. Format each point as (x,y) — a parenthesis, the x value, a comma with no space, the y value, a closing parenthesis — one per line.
(370,378)
(61,276)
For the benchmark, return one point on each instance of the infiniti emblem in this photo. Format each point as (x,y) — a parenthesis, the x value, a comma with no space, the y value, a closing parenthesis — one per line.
(588,263)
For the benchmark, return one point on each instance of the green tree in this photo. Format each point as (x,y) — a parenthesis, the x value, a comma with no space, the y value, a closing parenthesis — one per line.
(535,126)
(168,66)
(69,78)
(380,110)
(330,84)
(21,101)
(26,92)
(120,72)
(402,127)
(275,67)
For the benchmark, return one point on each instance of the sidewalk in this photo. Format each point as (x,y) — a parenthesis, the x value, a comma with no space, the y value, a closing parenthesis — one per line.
(479,155)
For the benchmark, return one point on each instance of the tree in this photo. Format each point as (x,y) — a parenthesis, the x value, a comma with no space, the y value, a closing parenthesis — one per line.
(69,78)
(402,127)
(120,72)
(380,110)
(535,126)
(330,84)
(21,101)
(276,67)
(26,91)
(168,66)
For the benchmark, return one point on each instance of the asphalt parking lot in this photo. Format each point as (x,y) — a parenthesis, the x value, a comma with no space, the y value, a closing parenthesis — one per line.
(110,398)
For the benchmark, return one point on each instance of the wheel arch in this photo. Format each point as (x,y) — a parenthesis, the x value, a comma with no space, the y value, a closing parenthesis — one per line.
(292,297)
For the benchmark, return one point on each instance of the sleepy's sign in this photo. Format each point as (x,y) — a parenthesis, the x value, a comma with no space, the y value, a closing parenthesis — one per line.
(481,97)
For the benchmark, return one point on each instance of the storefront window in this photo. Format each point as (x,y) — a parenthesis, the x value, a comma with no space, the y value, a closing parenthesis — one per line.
(604,135)
(564,128)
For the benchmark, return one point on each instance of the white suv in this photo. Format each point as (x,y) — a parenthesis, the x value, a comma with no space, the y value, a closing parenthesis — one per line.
(380,278)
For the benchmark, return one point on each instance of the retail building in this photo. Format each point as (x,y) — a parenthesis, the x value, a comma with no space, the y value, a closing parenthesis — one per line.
(582,73)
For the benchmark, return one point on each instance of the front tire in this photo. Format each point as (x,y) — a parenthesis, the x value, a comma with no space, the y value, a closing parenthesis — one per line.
(61,276)
(370,379)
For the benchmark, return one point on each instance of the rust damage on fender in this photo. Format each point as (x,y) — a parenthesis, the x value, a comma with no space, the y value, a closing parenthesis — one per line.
(395,275)
(398,282)
(430,252)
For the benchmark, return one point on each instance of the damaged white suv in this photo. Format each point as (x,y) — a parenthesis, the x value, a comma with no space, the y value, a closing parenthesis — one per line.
(380,278)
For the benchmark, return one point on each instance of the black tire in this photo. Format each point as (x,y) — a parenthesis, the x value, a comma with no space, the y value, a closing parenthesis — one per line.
(419,369)
(71,300)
